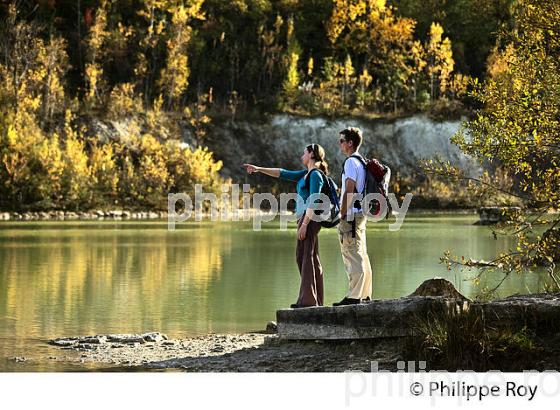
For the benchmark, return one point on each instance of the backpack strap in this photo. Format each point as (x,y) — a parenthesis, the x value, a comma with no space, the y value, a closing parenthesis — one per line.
(308,178)
(358,157)
(327,189)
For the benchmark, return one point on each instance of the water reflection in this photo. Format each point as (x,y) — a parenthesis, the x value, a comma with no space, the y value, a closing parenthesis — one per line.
(60,279)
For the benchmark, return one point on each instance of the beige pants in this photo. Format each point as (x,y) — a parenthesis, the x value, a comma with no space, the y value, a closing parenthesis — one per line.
(355,257)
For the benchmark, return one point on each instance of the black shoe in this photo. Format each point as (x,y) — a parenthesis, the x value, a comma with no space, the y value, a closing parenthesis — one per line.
(366,300)
(296,306)
(347,301)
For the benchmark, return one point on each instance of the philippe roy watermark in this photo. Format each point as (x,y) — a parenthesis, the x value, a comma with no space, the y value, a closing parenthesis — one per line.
(413,380)
(243,205)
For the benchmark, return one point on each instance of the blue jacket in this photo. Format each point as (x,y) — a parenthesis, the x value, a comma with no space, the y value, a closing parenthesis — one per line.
(315,186)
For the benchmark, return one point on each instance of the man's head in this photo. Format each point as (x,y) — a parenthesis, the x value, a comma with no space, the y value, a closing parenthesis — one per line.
(350,140)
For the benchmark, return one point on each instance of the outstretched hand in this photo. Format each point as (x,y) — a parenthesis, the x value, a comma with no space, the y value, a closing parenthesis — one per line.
(251,168)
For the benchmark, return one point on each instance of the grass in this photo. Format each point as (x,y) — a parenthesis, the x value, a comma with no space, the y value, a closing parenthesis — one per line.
(461,340)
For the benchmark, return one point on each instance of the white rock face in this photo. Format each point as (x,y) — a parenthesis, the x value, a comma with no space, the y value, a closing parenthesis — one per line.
(280,140)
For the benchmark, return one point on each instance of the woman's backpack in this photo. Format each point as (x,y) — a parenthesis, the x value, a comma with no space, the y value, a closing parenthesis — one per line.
(329,189)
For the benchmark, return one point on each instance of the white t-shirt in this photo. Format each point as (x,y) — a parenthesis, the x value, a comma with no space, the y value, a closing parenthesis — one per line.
(354,170)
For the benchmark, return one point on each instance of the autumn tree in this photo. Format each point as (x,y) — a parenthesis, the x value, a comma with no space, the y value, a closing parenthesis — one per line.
(174,77)
(95,42)
(519,128)
(293,52)
(374,34)
(440,61)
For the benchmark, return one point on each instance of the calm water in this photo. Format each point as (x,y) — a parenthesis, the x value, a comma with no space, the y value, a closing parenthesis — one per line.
(76,278)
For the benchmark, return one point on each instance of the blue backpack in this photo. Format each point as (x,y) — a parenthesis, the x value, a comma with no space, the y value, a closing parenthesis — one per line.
(329,189)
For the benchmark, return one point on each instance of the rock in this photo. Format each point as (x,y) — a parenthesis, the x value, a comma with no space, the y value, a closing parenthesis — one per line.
(125,338)
(494,214)
(539,313)
(378,319)
(154,337)
(64,342)
(116,340)
(93,339)
(397,317)
(438,287)
(271,327)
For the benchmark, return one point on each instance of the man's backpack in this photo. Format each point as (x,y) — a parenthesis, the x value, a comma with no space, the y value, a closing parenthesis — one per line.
(376,182)
(329,189)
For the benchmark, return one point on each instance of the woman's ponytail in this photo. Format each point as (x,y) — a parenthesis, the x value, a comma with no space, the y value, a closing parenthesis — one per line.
(319,155)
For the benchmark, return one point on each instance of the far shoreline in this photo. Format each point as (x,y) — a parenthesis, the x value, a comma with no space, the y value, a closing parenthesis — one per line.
(143,215)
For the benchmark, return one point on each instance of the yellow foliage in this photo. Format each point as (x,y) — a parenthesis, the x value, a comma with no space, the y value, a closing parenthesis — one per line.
(103,172)
(499,61)
(95,40)
(76,175)
(440,59)
(174,76)
(124,102)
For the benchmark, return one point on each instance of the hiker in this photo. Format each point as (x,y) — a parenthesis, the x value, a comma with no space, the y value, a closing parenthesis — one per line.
(308,182)
(352,227)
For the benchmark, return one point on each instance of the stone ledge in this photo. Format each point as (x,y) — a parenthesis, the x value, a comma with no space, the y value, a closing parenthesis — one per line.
(376,319)
(397,317)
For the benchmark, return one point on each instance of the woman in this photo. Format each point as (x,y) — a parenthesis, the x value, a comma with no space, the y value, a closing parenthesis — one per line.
(307,249)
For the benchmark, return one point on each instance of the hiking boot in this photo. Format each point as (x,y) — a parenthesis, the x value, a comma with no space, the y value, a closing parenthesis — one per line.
(347,301)
(296,306)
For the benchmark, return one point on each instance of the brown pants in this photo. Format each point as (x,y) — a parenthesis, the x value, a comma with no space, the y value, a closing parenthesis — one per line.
(310,269)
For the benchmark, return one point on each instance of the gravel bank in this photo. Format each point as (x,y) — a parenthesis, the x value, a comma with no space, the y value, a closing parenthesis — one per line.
(250,352)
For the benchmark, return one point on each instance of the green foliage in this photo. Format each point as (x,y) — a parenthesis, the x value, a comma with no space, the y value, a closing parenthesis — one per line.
(472,26)
(519,129)
(49,158)
(157,66)
(252,53)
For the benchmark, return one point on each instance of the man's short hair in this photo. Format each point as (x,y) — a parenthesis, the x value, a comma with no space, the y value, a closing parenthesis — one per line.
(353,134)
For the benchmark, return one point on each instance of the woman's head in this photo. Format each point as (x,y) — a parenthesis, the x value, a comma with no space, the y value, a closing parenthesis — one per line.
(314,154)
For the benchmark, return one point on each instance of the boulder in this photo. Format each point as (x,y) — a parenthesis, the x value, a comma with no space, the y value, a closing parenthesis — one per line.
(438,287)
(271,327)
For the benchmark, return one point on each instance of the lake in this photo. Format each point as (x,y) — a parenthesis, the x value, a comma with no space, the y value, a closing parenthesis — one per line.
(76,278)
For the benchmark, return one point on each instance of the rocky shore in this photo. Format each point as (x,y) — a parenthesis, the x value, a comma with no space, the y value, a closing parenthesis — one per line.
(250,352)
(351,338)
(115,214)
(119,214)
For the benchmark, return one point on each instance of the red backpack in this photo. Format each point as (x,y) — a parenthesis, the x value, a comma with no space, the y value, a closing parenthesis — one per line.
(376,182)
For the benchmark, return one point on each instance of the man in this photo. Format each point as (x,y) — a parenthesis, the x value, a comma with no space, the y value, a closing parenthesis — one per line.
(352,227)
